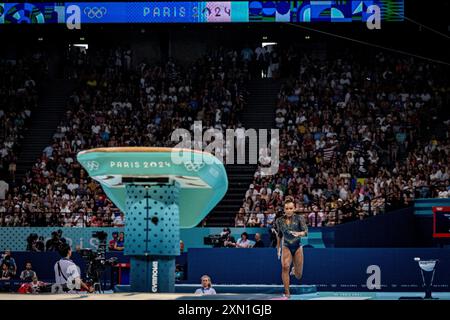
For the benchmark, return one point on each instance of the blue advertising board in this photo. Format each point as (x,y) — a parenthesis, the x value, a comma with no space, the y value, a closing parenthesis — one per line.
(200,11)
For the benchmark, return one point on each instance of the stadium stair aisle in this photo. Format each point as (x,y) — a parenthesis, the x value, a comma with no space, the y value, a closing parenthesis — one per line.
(43,124)
(259,113)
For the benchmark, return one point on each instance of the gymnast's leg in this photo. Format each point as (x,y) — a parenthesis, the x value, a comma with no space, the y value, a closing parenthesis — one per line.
(286,260)
(298,263)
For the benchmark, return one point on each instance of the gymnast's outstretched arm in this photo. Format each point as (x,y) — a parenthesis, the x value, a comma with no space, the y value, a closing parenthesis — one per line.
(304,226)
(278,247)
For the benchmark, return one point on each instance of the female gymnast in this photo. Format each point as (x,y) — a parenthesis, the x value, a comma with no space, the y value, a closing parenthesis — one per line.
(290,228)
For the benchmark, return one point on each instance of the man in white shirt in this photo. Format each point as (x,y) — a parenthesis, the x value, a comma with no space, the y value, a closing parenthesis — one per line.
(279,120)
(343,193)
(436,175)
(65,207)
(73,185)
(278,190)
(95,128)
(48,151)
(443,194)
(270,217)
(119,221)
(260,216)
(317,192)
(80,220)
(266,188)
(251,192)
(3,152)
(67,273)
(69,160)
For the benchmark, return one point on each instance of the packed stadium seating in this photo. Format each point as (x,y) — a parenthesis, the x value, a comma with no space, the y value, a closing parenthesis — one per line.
(117,105)
(358,135)
(356,139)
(20,82)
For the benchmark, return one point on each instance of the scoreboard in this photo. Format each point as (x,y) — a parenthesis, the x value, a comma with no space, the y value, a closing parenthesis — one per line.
(441,222)
(201,11)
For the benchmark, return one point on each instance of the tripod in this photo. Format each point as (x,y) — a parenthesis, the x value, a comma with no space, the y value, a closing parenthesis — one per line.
(95,276)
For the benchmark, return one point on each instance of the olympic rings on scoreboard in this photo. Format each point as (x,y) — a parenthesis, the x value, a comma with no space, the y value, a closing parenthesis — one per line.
(95,12)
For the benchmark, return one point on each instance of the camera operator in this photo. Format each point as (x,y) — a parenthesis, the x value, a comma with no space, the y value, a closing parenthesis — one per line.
(60,236)
(40,246)
(54,243)
(227,239)
(9,261)
(32,241)
(66,270)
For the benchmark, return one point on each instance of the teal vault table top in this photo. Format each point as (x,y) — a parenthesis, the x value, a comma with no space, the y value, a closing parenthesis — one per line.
(200,176)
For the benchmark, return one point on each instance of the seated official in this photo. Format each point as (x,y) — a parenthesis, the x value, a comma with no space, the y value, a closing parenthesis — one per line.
(10,262)
(5,277)
(5,272)
(206,286)
(28,273)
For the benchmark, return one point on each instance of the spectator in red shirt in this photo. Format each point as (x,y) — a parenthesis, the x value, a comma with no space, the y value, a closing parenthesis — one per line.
(112,243)
(97,221)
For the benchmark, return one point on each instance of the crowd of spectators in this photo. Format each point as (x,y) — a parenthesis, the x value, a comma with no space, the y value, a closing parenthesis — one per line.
(116,104)
(20,81)
(356,139)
